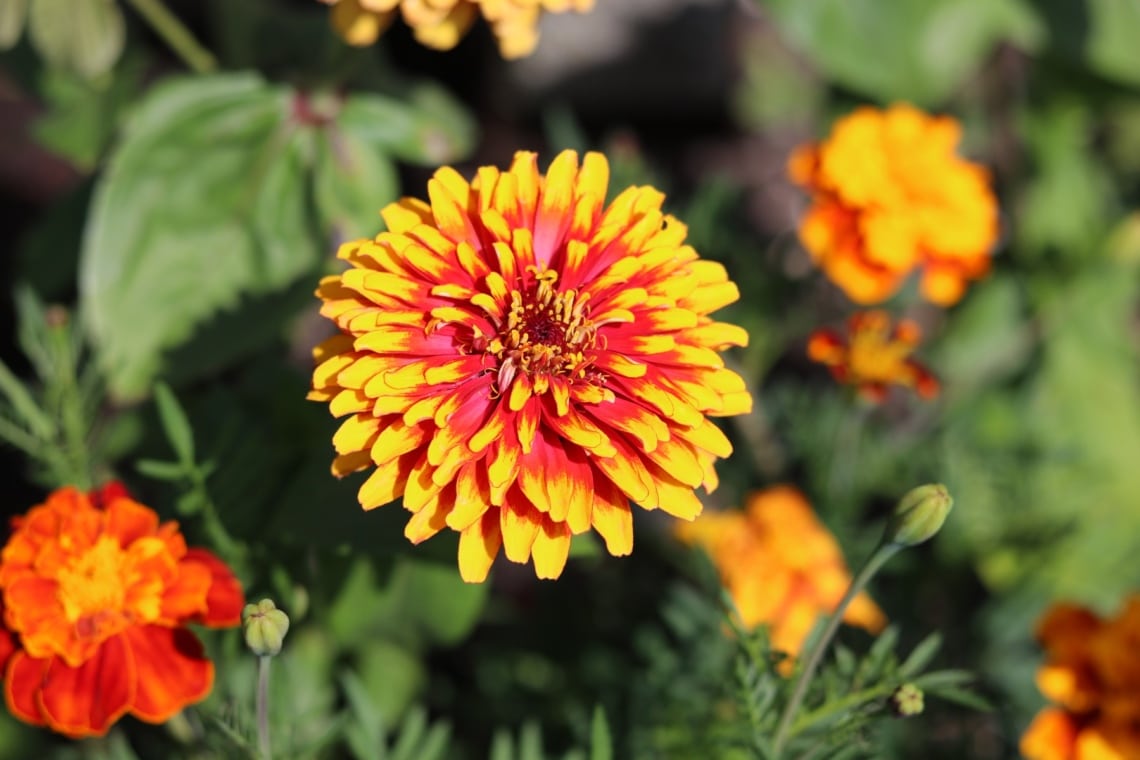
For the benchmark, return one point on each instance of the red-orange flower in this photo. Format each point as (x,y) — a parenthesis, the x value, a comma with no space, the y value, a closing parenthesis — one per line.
(874,355)
(889,197)
(1092,676)
(96,597)
(780,565)
(519,361)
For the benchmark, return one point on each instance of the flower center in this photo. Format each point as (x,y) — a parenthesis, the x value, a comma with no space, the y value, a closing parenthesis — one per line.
(874,356)
(97,587)
(545,333)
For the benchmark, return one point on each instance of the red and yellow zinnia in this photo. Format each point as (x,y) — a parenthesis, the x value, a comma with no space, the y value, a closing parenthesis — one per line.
(780,565)
(519,361)
(890,197)
(1091,676)
(874,355)
(96,598)
(441,24)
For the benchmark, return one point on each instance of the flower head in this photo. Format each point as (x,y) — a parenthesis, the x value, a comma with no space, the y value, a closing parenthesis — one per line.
(520,361)
(441,24)
(890,196)
(874,355)
(1092,676)
(96,598)
(780,565)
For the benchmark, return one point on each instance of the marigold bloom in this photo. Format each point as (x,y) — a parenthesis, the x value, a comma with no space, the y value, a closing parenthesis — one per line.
(1092,676)
(780,565)
(874,355)
(519,361)
(441,24)
(890,196)
(96,597)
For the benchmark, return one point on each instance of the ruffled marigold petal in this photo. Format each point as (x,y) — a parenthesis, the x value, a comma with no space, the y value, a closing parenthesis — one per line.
(172,671)
(86,700)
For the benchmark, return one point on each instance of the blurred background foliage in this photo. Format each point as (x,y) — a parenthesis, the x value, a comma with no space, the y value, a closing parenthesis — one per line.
(175,222)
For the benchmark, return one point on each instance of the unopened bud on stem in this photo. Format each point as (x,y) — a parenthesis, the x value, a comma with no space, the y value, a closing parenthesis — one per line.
(907,701)
(919,515)
(264,627)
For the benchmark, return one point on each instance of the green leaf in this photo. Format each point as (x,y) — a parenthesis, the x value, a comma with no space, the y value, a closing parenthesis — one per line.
(84,36)
(1100,33)
(601,742)
(204,204)
(169,471)
(920,656)
(354,180)
(919,50)
(12,16)
(429,128)
(502,745)
(964,698)
(175,424)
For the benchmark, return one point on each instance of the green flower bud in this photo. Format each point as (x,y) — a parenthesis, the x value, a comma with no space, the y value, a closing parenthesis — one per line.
(919,515)
(264,627)
(907,701)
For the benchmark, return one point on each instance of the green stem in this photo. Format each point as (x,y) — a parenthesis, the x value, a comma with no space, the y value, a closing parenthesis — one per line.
(176,35)
(263,707)
(870,567)
(831,708)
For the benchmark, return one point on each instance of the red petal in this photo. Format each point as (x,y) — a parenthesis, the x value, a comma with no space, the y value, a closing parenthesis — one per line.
(225,599)
(7,644)
(21,684)
(108,493)
(129,521)
(86,700)
(172,671)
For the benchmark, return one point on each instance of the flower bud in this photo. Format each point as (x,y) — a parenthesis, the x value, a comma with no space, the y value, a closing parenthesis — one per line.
(906,701)
(919,515)
(264,627)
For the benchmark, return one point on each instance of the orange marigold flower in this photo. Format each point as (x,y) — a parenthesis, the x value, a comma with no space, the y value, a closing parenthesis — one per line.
(96,596)
(890,196)
(780,565)
(874,355)
(441,24)
(1092,676)
(519,361)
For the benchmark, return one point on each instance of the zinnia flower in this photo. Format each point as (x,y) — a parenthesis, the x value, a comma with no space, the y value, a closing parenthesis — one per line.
(890,196)
(1092,676)
(874,355)
(519,361)
(441,24)
(780,565)
(96,598)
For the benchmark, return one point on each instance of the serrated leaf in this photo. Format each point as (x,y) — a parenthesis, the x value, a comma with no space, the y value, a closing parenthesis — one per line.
(12,16)
(601,741)
(921,656)
(203,205)
(353,181)
(85,36)
(175,424)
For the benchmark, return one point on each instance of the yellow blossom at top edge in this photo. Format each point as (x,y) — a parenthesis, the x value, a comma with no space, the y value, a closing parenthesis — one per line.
(441,24)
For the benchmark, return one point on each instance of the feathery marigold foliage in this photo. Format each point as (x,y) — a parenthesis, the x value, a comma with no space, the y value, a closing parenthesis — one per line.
(780,566)
(441,24)
(873,355)
(97,595)
(519,361)
(891,197)
(1091,676)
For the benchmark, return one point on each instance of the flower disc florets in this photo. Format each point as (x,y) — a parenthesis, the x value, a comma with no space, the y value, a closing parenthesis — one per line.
(518,361)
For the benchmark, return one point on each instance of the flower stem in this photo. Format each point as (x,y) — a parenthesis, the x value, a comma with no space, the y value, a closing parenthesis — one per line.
(263,707)
(885,551)
(176,35)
